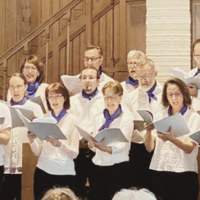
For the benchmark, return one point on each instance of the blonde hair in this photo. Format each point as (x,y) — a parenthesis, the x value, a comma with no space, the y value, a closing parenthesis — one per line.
(114,86)
(59,194)
(138,56)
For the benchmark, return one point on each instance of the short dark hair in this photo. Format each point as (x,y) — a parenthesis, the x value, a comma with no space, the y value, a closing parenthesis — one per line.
(93,68)
(20,75)
(183,88)
(100,50)
(57,88)
(33,59)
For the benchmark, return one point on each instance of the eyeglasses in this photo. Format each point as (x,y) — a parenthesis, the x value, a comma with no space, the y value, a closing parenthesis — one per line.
(176,94)
(55,96)
(93,59)
(33,68)
(18,87)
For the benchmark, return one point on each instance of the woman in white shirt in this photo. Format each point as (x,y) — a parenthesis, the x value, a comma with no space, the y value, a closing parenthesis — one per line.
(32,69)
(18,136)
(4,137)
(55,166)
(111,162)
(174,162)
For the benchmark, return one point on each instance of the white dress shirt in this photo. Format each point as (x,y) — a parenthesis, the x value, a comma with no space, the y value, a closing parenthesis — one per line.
(5,113)
(59,160)
(84,110)
(120,150)
(18,136)
(168,157)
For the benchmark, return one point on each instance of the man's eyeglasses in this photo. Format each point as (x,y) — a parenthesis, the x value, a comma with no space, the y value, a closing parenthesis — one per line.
(93,59)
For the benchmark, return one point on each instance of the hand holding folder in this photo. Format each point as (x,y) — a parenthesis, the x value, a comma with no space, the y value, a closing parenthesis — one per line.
(42,130)
(176,123)
(106,136)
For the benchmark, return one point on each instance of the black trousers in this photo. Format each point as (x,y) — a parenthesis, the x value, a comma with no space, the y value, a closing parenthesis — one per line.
(44,181)
(1,177)
(174,186)
(108,180)
(84,170)
(140,160)
(11,187)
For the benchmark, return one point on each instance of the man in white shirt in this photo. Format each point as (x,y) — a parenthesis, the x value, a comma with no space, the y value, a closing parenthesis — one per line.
(85,106)
(146,97)
(134,58)
(195,72)
(4,136)
(93,57)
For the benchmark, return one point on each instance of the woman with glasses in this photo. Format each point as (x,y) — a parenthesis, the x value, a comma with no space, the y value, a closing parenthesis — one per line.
(174,163)
(32,69)
(18,136)
(111,161)
(55,166)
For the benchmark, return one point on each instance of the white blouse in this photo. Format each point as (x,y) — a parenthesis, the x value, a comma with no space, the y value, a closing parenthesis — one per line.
(5,113)
(13,150)
(59,160)
(168,157)
(120,150)
(84,110)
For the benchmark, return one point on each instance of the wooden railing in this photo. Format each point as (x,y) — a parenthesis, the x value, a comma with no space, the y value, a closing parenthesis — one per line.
(24,43)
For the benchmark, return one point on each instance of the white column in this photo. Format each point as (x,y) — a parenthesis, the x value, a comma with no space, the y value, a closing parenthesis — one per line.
(168,35)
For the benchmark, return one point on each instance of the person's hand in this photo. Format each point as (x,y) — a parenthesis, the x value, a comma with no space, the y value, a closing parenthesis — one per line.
(31,137)
(149,127)
(169,135)
(103,147)
(55,142)
(83,144)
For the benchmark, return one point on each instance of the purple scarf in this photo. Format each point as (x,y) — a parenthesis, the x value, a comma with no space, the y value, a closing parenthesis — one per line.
(150,93)
(32,88)
(60,116)
(90,95)
(131,81)
(21,102)
(198,72)
(110,118)
(182,111)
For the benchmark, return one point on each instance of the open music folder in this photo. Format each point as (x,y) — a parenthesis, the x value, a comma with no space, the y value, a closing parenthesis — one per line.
(16,120)
(106,136)
(38,101)
(42,128)
(175,123)
(72,83)
(195,136)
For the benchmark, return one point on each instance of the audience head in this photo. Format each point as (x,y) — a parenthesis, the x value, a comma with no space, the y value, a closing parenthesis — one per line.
(135,58)
(89,79)
(93,56)
(196,53)
(134,194)
(59,194)
(175,94)
(57,97)
(112,92)
(32,69)
(146,74)
(17,87)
